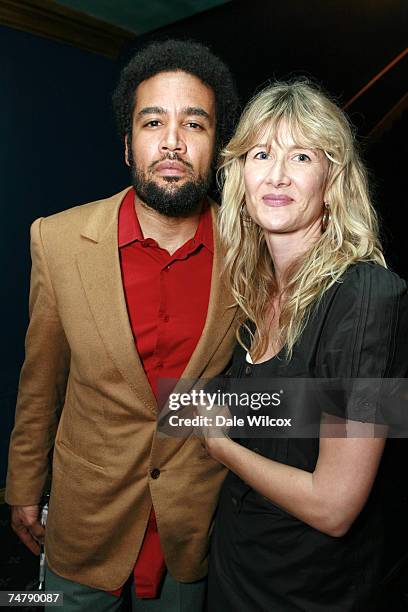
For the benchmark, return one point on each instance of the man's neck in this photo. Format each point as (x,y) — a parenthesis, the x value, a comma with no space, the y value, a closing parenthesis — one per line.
(170,233)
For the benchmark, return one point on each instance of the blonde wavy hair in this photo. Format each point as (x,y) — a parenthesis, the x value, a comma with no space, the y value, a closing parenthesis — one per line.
(314,121)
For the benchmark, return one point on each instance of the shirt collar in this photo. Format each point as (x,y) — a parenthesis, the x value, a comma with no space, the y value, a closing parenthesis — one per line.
(128,226)
(129,229)
(204,232)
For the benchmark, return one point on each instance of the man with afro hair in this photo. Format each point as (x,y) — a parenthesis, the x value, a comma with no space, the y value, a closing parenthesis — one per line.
(126,298)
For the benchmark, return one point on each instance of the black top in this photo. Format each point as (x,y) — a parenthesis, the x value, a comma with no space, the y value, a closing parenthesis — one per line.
(263,558)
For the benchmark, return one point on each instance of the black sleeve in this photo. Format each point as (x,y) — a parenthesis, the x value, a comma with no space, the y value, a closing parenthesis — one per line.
(364,341)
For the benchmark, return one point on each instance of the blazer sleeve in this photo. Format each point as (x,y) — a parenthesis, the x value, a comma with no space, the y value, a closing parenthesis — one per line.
(364,343)
(41,388)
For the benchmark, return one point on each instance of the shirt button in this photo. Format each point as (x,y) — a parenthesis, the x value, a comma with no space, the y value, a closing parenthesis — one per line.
(155,473)
(166,318)
(248,370)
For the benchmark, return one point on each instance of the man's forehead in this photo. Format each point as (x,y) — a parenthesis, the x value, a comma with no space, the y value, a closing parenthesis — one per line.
(167,89)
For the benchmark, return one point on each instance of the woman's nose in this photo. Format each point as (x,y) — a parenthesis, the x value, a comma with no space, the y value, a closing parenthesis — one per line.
(278,173)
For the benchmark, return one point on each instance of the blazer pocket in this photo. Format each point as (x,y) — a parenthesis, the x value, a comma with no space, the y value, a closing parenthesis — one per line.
(71,455)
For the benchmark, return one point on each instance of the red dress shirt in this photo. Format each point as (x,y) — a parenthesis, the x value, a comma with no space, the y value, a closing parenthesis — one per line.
(167,299)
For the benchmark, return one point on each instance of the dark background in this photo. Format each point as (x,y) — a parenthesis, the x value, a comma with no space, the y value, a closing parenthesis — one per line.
(59,146)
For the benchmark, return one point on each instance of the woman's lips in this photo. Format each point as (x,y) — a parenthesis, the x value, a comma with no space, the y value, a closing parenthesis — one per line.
(271,199)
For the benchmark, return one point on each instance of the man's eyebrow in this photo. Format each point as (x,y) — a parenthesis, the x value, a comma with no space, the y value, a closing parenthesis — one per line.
(188,110)
(152,110)
(196,110)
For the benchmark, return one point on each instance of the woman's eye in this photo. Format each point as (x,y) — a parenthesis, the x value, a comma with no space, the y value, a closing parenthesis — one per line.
(302,157)
(194,125)
(152,123)
(262,155)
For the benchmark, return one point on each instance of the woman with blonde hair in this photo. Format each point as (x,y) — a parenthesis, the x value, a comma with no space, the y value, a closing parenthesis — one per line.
(298,525)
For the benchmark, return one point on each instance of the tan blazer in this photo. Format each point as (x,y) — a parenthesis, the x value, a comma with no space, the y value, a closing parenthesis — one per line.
(80,355)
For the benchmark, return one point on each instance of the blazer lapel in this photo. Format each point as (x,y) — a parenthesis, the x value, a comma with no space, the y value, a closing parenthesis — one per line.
(100,272)
(220,314)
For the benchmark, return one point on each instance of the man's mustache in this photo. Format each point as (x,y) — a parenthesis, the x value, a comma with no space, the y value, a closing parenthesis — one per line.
(174,157)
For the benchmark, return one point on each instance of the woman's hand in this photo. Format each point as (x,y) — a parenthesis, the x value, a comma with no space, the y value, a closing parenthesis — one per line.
(213,429)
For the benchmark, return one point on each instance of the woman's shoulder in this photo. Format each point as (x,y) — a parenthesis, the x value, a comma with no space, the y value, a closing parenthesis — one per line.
(373,271)
(370,279)
(364,323)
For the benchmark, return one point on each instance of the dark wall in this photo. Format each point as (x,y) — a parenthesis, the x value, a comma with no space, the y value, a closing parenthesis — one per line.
(387,161)
(58,148)
(342,43)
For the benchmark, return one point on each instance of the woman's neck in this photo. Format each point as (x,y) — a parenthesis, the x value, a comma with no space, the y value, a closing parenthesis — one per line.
(286,248)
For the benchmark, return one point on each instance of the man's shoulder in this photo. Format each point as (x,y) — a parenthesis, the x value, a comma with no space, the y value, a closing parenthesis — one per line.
(81,213)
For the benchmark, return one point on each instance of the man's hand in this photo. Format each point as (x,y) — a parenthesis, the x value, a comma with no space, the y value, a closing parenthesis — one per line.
(25,523)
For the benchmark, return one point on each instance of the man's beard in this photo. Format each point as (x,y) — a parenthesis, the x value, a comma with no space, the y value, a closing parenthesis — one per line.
(170,200)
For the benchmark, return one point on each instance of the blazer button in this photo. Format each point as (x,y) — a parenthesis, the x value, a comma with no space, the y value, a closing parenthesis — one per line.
(248,370)
(155,473)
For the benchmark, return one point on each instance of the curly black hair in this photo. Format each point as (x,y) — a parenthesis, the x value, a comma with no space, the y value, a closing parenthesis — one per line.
(173,55)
